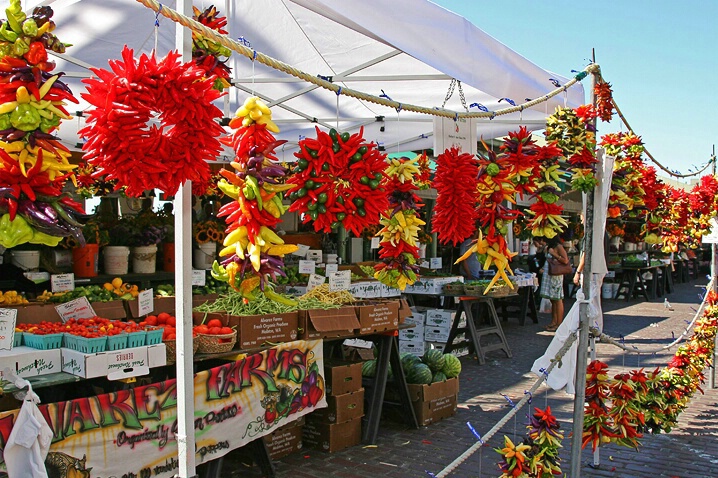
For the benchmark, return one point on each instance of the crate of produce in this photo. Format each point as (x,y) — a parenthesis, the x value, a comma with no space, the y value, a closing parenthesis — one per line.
(455,288)
(216,344)
(91,345)
(154,335)
(136,339)
(17,339)
(43,342)
(117,342)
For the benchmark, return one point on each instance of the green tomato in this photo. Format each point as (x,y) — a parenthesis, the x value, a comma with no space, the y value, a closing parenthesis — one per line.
(345,137)
(302,192)
(322,198)
(302,164)
(364,180)
(333,134)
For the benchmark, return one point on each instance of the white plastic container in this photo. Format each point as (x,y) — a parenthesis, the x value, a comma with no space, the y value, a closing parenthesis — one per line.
(607,291)
(144,259)
(26,260)
(116,259)
(204,256)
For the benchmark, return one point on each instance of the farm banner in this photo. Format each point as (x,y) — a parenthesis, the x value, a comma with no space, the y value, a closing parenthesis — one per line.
(131,433)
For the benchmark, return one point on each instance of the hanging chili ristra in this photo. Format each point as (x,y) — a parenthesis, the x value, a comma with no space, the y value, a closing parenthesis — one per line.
(455,214)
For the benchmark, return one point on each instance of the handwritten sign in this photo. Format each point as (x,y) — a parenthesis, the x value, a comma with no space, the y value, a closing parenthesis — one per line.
(331,268)
(435,263)
(79,308)
(146,302)
(340,281)
(375,242)
(199,277)
(315,280)
(306,267)
(8,319)
(302,251)
(62,282)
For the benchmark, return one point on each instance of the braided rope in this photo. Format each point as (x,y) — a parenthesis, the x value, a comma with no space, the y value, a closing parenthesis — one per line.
(663,168)
(610,340)
(315,80)
(527,396)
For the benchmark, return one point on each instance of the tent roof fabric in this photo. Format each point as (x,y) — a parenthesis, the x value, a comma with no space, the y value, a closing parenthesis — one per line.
(409,49)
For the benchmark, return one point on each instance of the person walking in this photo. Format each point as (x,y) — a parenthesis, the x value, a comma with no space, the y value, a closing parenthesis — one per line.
(552,285)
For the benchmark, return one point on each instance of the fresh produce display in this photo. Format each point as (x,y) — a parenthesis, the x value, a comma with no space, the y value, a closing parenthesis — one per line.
(434,358)
(292,276)
(322,294)
(12,297)
(211,286)
(604,100)
(121,289)
(419,373)
(545,213)
(597,424)
(114,290)
(399,244)
(515,462)
(207,53)
(452,366)
(234,303)
(165,290)
(339,180)
(122,146)
(34,165)
(368,368)
(408,359)
(253,251)
(455,214)
(433,366)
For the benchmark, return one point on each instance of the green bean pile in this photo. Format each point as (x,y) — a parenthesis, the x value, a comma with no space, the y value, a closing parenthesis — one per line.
(233,303)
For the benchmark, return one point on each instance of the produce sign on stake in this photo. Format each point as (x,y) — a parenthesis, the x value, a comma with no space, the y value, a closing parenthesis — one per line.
(339,180)
(34,165)
(399,248)
(153,125)
(253,251)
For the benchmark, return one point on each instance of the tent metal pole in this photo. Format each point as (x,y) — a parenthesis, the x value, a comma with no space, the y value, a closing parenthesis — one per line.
(581,361)
(714,279)
(183,295)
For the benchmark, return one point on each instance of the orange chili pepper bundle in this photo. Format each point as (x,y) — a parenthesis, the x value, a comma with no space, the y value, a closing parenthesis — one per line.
(206,52)
(455,213)
(546,217)
(597,425)
(604,100)
(339,180)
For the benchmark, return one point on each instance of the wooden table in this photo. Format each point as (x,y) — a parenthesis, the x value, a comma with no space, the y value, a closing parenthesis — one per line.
(527,305)
(632,281)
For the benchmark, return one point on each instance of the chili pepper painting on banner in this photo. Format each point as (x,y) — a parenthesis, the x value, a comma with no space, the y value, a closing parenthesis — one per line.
(132,432)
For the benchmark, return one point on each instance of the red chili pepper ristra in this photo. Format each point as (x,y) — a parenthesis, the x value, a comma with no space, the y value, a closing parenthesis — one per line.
(339,180)
(455,214)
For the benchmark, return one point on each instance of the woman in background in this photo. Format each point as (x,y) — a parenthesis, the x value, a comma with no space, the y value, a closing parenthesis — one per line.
(552,286)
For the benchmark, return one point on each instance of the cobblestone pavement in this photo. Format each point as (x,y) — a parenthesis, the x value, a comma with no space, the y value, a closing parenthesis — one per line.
(690,450)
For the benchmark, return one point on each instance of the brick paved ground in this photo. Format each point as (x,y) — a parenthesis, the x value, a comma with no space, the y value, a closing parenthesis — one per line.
(690,450)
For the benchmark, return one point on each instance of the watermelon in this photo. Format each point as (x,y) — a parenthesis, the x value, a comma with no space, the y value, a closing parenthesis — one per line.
(438,377)
(420,373)
(368,369)
(452,366)
(434,358)
(408,360)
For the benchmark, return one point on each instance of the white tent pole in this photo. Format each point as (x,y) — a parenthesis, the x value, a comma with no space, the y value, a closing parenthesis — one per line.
(183,294)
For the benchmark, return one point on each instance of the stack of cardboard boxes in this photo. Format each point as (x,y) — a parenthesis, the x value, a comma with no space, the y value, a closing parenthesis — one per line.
(339,425)
(431,331)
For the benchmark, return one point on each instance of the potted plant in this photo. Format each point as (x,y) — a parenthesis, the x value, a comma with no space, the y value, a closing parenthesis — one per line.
(206,235)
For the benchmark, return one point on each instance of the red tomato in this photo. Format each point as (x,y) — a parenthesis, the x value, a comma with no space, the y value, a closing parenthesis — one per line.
(151,320)
(202,329)
(171,337)
(215,330)
(171,321)
(225,330)
(214,323)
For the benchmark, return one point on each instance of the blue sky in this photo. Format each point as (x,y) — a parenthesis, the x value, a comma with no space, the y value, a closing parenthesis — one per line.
(660,57)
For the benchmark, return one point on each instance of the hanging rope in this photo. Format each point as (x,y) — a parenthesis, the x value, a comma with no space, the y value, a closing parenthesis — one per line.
(290,70)
(663,168)
(528,394)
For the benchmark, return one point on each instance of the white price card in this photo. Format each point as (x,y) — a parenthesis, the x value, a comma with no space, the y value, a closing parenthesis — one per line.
(306,267)
(315,280)
(37,277)
(331,268)
(375,242)
(424,264)
(359,343)
(146,302)
(340,281)
(199,277)
(435,263)
(314,255)
(8,319)
(62,282)
(79,308)
(302,251)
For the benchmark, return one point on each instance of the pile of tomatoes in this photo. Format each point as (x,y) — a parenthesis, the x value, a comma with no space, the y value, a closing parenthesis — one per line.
(88,328)
(168,323)
(212,327)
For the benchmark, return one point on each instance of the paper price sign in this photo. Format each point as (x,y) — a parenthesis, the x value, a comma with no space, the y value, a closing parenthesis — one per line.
(37,277)
(375,242)
(306,267)
(62,282)
(340,281)
(424,264)
(8,318)
(146,302)
(331,268)
(435,263)
(302,251)
(199,278)
(314,255)
(315,280)
(79,308)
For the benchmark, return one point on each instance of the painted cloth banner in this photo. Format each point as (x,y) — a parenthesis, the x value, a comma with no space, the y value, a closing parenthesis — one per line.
(130,433)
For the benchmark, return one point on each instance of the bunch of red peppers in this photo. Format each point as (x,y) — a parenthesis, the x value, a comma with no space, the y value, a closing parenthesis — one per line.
(208,54)
(339,180)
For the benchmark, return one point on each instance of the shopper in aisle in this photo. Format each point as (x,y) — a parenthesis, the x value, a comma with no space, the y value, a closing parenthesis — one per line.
(552,285)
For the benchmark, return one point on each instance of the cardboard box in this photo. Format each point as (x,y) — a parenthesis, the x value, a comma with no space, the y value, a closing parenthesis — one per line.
(327,324)
(113,310)
(389,292)
(414,348)
(36,313)
(284,440)
(437,334)
(418,318)
(331,437)
(342,377)
(378,316)
(167,304)
(341,408)
(414,334)
(434,402)
(114,364)
(366,289)
(30,362)
(255,330)
(440,317)
(431,285)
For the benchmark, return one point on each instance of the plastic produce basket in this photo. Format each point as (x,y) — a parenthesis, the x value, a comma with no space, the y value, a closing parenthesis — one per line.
(116,342)
(91,345)
(17,339)
(43,342)
(154,335)
(69,341)
(136,339)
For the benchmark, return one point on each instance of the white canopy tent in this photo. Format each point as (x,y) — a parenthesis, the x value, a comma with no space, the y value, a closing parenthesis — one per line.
(408,49)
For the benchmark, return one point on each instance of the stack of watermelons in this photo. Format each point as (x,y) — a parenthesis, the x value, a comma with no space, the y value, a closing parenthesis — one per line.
(434,366)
